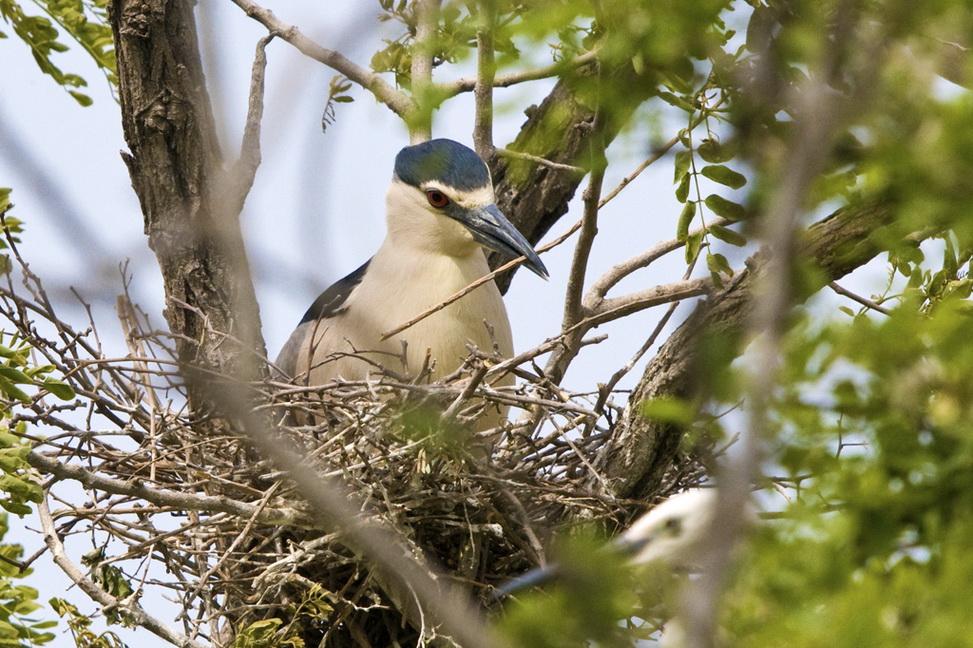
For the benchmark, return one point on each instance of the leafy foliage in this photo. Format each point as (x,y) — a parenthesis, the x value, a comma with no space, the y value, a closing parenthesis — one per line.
(17,602)
(82,20)
(80,626)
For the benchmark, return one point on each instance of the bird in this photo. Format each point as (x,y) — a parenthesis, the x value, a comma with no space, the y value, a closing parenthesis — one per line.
(672,532)
(441,214)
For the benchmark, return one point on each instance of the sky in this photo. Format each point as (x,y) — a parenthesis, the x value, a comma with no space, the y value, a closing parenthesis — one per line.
(316,210)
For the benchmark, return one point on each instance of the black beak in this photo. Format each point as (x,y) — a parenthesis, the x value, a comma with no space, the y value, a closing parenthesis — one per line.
(491,229)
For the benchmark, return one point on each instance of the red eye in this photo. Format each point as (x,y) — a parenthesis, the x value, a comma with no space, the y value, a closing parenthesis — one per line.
(437,198)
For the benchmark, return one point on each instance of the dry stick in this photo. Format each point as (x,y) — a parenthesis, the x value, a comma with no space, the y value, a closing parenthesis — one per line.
(574,308)
(397,101)
(335,506)
(245,169)
(129,607)
(476,284)
(542,161)
(161,497)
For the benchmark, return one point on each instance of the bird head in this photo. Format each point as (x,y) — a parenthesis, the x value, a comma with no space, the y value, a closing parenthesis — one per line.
(440,184)
(673,531)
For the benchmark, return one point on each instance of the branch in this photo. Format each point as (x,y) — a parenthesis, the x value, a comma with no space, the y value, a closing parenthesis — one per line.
(608,280)
(867,303)
(245,169)
(423,49)
(159,497)
(486,69)
(128,606)
(397,101)
(467,84)
(612,309)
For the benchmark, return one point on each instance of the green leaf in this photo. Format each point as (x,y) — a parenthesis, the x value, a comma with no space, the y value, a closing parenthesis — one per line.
(682,191)
(685,219)
(693,244)
(712,151)
(81,98)
(59,389)
(12,391)
(683,160)
(724,175)
(15,375)
(725,208)
(718,264)
(727,235)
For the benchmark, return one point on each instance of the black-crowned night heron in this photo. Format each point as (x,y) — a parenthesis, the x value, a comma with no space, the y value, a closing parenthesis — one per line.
(673,532)
(440,211)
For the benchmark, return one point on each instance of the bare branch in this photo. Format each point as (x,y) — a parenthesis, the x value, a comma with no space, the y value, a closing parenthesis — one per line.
(541,161)
(608,280)
(506,80)
(175,499)
(612,309)
(128,606)
(397,101)
(245,169)
(867,303)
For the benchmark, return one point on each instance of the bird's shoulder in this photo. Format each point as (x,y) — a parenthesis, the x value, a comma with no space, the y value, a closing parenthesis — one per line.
(332,301)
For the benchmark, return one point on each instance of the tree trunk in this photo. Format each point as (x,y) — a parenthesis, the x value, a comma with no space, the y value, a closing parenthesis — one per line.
(190,217)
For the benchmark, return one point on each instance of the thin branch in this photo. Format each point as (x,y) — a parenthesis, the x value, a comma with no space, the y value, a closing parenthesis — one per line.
(608,280)
(127,606)
(486,69)
(245,169)
(573,303)
(397,101)
(867,303)
(659,153)
(467,84)
(614,308)
(542,161)
(160,497)
(479,282)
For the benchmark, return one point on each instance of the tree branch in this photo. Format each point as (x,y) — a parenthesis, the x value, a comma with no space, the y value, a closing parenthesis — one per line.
(397,101)
(175,499)
(128,607)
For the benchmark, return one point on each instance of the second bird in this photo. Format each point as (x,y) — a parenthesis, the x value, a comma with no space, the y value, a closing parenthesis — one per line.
(441,212)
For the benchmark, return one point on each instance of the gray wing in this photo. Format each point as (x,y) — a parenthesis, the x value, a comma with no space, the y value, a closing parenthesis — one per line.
(328,304)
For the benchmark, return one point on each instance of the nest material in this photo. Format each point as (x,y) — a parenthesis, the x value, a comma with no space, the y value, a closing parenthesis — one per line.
(182,505)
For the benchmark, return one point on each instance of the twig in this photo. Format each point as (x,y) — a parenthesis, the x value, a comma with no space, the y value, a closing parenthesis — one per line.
(867,303)
(506,80)
(397,101)
(609,279)
(160,497)
(129,607)
(542,161)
